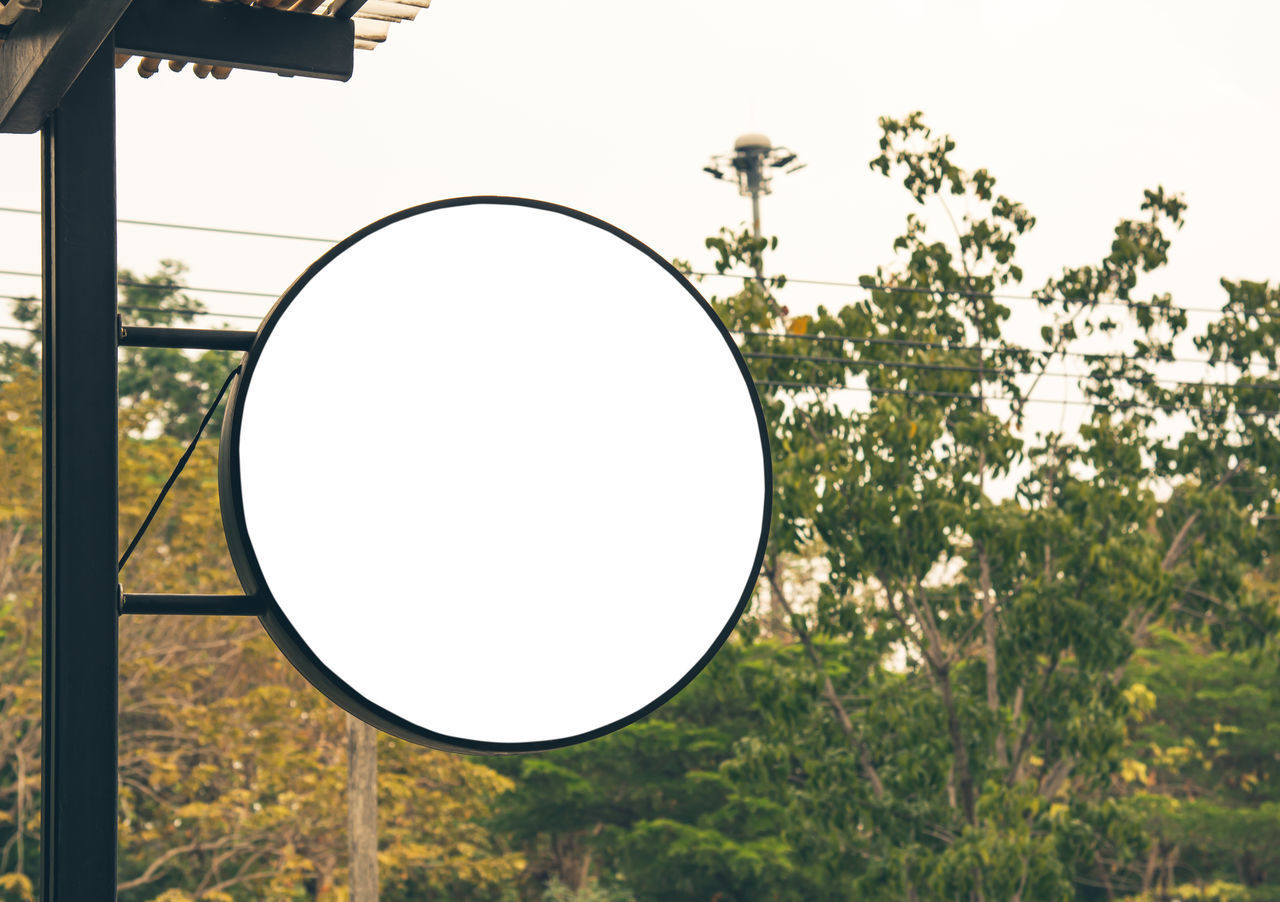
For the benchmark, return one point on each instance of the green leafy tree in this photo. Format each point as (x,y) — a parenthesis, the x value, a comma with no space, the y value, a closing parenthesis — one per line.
(601,816)
(977,644)
(940,692)
(1203,768)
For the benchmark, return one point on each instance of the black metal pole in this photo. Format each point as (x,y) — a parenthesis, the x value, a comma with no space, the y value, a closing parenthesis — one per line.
(80,622)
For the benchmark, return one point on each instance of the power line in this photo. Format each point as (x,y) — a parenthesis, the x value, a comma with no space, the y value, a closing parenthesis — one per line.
(886,390)
(1001,296)
(924,393)
(139,308)
(142,309)
(196,228)
(821,282)
(724,275)
(165,286)
(160,286)
(947,346)
(996,371)
(871,287)
(780,336)
(863,363)
(901,289)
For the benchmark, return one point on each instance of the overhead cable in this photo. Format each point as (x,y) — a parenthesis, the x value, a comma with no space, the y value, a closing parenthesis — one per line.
(999,295)
(196,228)
(777,336)
(967,396)
(995,371)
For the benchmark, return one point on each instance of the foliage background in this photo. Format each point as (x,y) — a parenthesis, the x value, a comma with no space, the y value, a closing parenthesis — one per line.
(982,663)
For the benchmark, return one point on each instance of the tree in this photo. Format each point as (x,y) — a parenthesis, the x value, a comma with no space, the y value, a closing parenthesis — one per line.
(362,810)
(950,606)
(1203,769)
(981,663)
(974,676)
(646,811)
(232,768)
(20,644)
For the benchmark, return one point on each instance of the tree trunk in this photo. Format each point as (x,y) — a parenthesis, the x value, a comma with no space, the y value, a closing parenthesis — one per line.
(989,647)
(362,809)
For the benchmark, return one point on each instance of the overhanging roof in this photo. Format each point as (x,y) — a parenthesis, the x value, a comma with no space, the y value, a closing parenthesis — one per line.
(45,43)
(44,52)
(372,21)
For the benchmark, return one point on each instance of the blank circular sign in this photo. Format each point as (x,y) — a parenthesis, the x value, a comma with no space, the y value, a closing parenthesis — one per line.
(499,474)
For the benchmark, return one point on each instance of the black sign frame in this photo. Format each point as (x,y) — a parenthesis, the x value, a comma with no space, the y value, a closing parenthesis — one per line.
(273,619)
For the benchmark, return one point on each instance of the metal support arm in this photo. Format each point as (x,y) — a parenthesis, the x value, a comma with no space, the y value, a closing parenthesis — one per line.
(191,339)
(231,605)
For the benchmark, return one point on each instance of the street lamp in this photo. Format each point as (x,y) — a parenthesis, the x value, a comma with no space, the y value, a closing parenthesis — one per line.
(752,161)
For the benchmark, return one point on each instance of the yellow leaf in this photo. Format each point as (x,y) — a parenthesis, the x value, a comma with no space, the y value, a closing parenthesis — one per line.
(19,883)
(1133,771)
(800,325)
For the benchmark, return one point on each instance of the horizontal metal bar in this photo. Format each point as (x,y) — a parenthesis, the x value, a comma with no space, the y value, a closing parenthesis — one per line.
(232,605)
(238,36)
(194,339)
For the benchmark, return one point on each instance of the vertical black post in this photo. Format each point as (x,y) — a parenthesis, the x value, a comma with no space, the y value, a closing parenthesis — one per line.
(80,618)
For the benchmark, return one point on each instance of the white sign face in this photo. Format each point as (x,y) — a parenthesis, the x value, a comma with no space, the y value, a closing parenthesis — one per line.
(500,474)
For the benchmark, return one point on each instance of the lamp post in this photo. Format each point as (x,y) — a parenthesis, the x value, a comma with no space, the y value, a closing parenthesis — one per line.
(752,161)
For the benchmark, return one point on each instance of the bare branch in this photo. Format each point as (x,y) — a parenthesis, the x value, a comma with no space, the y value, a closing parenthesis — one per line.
(153,870)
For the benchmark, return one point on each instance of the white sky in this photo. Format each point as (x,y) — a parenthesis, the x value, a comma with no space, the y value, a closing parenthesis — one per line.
(614,108)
